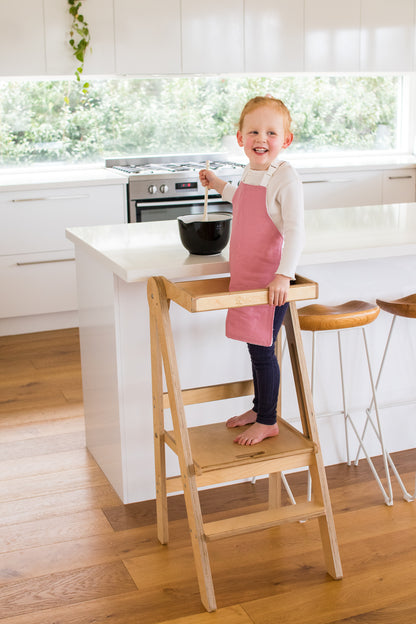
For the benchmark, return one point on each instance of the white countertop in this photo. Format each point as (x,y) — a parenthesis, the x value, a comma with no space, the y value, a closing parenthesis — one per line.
(137,251)
(34,177)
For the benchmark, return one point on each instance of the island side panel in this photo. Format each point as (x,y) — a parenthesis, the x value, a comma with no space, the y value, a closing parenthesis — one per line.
(99,363)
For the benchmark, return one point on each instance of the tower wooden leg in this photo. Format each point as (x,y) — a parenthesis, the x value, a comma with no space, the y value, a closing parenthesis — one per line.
(163,343)
(326,522)
(317,469)
(158,434)
(275,490)
(199,545)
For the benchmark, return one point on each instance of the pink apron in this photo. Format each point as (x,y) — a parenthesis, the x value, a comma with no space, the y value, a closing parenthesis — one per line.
(255,251)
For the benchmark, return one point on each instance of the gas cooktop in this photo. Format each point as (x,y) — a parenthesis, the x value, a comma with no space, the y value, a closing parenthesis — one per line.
(158,168)
(176,164)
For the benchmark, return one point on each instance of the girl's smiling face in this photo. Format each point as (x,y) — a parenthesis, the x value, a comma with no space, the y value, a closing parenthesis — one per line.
(263,136)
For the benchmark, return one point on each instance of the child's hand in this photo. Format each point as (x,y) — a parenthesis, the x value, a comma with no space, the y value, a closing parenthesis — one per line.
(212,181)
(278,290)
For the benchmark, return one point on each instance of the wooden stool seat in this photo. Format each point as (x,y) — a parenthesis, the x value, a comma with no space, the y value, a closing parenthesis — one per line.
(406,306)
(318,317)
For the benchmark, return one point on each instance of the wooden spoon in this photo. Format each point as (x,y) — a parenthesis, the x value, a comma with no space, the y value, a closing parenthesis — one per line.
(206,196)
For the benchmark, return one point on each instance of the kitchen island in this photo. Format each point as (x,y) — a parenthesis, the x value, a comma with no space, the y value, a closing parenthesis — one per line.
(362,252)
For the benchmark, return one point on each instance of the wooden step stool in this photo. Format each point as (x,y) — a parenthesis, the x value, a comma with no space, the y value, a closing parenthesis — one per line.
(207,454)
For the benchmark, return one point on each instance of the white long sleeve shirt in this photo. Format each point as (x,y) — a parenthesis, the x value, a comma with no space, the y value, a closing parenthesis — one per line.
(284,201)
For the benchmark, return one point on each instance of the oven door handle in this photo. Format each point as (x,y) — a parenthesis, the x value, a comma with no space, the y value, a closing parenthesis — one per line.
(183,202)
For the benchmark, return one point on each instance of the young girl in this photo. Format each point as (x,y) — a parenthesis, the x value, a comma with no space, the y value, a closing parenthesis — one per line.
(266,242)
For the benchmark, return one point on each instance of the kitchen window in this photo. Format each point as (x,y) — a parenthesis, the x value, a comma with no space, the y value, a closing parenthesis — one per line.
(53,122)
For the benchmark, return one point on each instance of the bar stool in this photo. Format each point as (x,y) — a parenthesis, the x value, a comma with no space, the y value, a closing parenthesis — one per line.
(352,314)
(405,307)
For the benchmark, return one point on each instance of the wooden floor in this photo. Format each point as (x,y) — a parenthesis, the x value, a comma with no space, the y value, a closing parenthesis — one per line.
(71,553)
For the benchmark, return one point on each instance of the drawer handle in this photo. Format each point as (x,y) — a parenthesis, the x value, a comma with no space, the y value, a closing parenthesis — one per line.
(45,261)
(314,181)
(403,177)
(50,198)
(334,181)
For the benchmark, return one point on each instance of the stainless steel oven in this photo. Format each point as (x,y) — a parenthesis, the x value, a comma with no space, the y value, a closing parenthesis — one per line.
(167,187)
(164,209)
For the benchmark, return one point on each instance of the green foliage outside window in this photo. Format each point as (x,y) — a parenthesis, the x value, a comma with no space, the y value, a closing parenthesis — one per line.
(55,121)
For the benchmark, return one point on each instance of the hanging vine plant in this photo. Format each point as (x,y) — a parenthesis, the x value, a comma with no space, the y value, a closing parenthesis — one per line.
(79,38)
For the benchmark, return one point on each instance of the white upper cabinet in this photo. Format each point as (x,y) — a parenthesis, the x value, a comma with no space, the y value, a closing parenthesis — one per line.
(212,36)
(22,49)
(273,34)
(142,37)
(387,35)
(59,58)
(147,36)
(332,35)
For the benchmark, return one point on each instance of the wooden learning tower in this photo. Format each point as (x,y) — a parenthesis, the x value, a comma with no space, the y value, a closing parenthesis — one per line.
(207,454)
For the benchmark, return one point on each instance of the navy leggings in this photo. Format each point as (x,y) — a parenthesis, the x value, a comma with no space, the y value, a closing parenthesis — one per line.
(266,374)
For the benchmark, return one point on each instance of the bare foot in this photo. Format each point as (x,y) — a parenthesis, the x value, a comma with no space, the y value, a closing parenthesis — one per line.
(244,419)
(256,433)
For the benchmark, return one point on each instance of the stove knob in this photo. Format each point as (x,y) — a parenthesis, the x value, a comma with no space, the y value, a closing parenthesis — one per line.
(152,189)
(164,188)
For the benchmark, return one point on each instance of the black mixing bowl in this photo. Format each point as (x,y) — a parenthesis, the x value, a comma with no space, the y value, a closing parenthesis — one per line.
(205,237)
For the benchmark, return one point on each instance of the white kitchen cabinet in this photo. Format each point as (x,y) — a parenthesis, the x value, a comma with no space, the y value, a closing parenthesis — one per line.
(273,35)
(399,186)
(147,36)
(35,220)
(37,284)
(387,35)
(37,271)
(341,190)
(100,59)
(22,44)
(212,36)
(332,35)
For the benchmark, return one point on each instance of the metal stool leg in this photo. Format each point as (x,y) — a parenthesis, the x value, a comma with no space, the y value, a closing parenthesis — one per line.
(376,425)
(344,401)
(406,494)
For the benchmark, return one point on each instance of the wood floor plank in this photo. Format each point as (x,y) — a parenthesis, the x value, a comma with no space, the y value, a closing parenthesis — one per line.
(397,613)
(86,548)
(13,420)
(43,445)
(372,576)
(41,464)
(51,530)
(52,591)
(42,429)
(119,609)
(39,485)
(228,615)
(55,505)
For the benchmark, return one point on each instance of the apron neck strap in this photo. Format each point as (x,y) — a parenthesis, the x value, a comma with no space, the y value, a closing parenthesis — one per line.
(270,171)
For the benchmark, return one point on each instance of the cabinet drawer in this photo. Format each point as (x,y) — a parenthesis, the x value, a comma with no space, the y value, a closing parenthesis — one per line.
(35,221)
(37,284)
(342,190)
(399,186)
